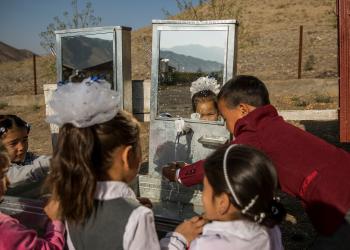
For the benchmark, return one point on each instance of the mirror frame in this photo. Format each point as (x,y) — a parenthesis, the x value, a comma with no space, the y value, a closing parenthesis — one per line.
(121,57)
(230,67)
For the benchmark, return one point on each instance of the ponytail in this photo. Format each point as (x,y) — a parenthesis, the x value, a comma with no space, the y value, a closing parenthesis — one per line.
(73,171)
(82,157)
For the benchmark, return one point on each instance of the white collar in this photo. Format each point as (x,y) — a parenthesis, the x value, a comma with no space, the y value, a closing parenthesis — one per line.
(107,190)
(243,229)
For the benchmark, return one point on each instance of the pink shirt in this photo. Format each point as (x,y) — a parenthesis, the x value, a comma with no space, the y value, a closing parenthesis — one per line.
(14,235)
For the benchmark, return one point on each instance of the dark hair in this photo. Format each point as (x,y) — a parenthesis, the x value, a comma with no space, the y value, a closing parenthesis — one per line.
(82,157)
(251,175)
(244,89)
(4,158)
(203,96)
(12,121)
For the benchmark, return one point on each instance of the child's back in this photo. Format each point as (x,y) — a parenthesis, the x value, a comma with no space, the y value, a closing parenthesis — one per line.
(117,222)
(239,234)
(98,154)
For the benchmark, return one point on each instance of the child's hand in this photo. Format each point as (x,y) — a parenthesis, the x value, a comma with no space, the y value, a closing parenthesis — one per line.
(190,229)
(52,209)
(169,170)
(145,202)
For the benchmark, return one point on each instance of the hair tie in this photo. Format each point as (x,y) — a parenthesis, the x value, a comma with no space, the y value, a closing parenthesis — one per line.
(259,217)
(84,104)
(276,209)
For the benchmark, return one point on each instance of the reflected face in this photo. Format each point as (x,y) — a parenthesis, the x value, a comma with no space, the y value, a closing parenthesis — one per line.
(207,111)
(16,143)
(210,201)
(230,115)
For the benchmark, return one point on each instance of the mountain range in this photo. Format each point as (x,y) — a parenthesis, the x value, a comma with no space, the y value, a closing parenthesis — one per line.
(199,51)
(82,52)
(9,53)
(185,63)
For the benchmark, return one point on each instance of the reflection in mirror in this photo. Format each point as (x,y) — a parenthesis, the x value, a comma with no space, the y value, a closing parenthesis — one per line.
(87,55)
(187,58)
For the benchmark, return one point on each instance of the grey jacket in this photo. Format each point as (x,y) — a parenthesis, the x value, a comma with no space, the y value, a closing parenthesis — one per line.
(26,179)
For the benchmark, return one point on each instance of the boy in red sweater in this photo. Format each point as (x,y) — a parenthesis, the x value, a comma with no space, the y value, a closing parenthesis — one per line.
(309,168)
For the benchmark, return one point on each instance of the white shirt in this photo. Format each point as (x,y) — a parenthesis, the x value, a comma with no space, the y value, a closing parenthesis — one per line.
(140,232)
(235,235)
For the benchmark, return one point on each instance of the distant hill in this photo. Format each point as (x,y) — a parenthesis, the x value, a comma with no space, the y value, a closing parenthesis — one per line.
(196,50)
(185,63)
(9,53)
(77,52)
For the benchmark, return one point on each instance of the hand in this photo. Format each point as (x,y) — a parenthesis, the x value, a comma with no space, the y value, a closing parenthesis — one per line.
(52,209)
(190,229)
(169,170)
(145,202)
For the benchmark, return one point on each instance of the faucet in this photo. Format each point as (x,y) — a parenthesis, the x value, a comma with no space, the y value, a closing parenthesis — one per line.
(181,128)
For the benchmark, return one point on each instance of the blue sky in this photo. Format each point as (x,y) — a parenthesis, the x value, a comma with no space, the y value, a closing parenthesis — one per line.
(21,21)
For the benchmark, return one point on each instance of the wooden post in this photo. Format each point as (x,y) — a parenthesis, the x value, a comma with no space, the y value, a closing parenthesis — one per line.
(34,72)
(300,50)
(343,11)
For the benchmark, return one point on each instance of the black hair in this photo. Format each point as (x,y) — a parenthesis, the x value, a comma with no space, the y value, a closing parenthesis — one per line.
(244,89)
(12,121)
(251,175)
(203,96)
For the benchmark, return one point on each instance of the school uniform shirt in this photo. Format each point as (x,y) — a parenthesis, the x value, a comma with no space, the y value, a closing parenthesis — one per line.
(26,178)
(16,236)
(235,235)
(309,168)
(136,228)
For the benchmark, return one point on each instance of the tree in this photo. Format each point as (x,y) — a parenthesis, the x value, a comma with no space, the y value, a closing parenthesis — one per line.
(78,19)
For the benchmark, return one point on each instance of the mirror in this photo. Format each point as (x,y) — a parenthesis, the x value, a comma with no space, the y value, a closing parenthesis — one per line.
(184,57)
(87,55)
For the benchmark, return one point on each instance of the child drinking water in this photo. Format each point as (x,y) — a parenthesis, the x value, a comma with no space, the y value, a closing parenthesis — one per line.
(203,93)
(238,199)
(27,171)
(308,168)
(14,235)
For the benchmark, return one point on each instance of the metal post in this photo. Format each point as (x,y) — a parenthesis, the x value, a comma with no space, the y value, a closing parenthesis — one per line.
(34,72)
(300,50)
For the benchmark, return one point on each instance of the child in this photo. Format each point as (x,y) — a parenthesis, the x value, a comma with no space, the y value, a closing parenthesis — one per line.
(309,168)
(27,171)
(13,235)
(98,154)
(238,199)
(203,93)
